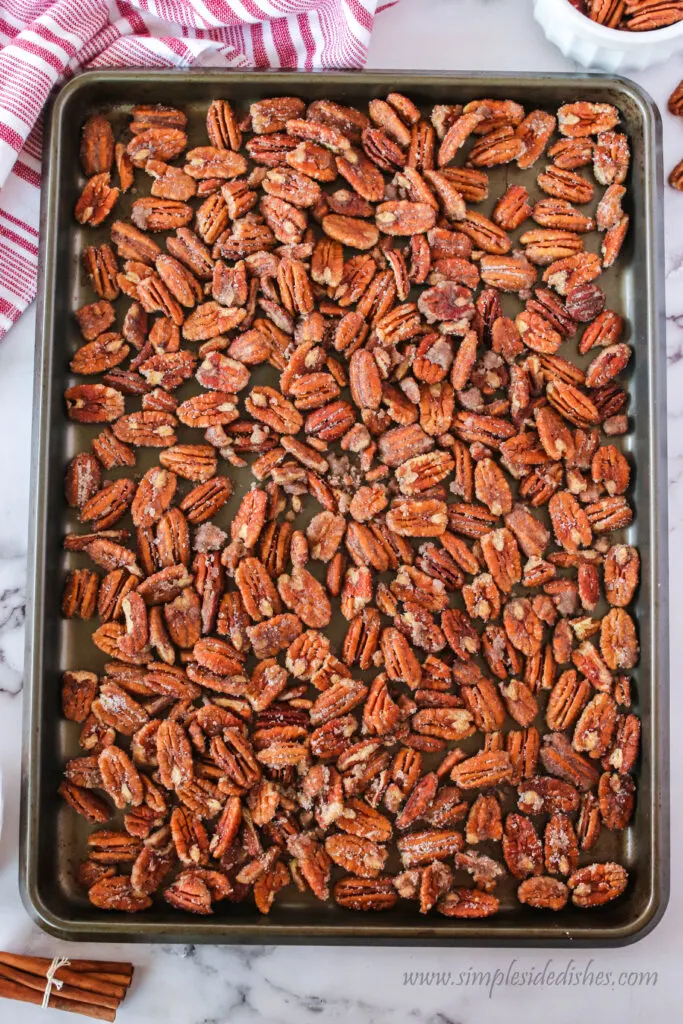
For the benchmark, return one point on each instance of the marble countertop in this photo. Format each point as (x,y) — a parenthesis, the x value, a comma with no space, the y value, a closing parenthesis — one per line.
(249,985)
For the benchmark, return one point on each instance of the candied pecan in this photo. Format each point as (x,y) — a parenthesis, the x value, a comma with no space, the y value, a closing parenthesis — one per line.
(120,778)
(417,517)
(96,200)
(350,231)
(404,218)
(359,819)
(499,547)
(561,849)
(570,523)
(484,820)
(79,599)
(78,692)
(365,893)
(468,903)
(97,145)
(499,146)
(522,848)
(360,856)
(559,759)
(543,892)
(520,702)
(87,804)
(621,574)
(457,134)
(485,234)
(305,596)
(159,140)
(542,794)
(482,770)
(544,246)
(616,798)
(534,131)
(313,862)
(93,403)
(196,462)
(512,209)
(596,884)
(117,893)
(268,638)
(567,698)
(82,479)
(214,163)
(570,153)
(95,318)
(618,640)
(571,403)
(595,727)
(418,848)
(579,119)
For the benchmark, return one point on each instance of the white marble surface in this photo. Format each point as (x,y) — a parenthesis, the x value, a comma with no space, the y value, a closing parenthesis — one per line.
(214,985)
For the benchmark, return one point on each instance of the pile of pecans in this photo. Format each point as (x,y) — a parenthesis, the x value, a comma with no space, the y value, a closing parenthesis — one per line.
(631,15)
(427,473)
(675,106)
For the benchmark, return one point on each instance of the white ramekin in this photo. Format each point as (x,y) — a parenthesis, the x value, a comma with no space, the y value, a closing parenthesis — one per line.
(609,49)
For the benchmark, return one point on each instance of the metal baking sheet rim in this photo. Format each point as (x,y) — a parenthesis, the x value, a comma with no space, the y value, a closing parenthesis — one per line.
(370,929)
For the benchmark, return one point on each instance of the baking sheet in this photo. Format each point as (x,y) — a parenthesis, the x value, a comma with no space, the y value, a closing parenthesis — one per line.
(52,835)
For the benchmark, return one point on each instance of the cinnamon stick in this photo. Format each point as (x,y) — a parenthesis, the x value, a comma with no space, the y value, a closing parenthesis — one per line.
(106,983)
(40,965)
(89,983)
(115,979)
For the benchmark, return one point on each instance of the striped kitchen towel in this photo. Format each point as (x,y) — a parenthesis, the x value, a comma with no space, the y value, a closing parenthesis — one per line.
(44,42)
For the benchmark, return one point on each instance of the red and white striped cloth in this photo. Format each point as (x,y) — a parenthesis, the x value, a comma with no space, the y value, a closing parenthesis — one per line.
(43,42)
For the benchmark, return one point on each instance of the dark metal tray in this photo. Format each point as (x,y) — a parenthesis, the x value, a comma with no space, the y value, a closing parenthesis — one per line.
(52,835)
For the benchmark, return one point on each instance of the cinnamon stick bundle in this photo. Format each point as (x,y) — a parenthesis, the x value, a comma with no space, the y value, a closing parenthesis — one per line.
(93,988)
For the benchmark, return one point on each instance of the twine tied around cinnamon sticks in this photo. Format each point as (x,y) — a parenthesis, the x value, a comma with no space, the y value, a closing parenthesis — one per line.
(50,980)
(93,988)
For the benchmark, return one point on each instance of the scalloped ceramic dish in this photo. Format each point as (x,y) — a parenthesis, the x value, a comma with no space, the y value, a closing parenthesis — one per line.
(608,49)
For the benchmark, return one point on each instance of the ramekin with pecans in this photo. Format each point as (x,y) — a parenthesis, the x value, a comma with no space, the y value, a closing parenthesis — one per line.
(613,35)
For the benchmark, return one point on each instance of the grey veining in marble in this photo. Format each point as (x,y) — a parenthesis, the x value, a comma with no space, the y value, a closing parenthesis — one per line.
(281,985)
